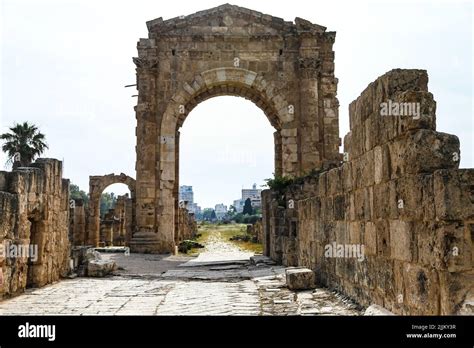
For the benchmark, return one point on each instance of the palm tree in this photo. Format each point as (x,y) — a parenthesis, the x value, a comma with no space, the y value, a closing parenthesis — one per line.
(23,144)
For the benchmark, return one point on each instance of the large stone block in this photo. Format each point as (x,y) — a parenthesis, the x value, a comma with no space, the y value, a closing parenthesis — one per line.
(300,279)
(370,239)
(383,238)
(454,194)
(456,293)
(423,152)
(422,290)
(445,246)
(401,240)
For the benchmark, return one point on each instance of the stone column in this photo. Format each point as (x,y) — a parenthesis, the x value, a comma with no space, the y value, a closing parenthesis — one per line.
(289,151)
(176,190)
(328,103)
(167,196)
(278,154)
(311,147)
(144,238)
(93,219)
(128,221)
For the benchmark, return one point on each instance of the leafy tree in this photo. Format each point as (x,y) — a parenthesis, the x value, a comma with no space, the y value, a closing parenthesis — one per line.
(24,139)
(107,201)
(207,214)
(248,210)
(279,183)
(76,193)
(250,219)
(213,215)
(239,218)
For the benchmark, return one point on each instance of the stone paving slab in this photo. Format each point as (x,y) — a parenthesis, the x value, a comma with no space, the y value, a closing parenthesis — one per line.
(159,285)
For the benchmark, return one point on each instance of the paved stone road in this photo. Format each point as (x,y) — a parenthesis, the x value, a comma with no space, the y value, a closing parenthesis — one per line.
(215,283)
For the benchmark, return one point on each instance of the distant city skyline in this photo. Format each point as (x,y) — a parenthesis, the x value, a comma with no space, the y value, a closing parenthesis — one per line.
(223,151)
(228,204)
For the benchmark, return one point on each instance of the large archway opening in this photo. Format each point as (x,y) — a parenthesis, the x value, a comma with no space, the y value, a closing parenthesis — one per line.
(226,151)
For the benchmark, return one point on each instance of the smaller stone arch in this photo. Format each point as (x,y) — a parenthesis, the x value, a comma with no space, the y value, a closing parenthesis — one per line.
(97,185)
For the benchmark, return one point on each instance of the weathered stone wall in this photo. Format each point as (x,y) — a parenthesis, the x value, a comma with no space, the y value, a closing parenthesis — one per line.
(399,195)
(34,210)
(256,230)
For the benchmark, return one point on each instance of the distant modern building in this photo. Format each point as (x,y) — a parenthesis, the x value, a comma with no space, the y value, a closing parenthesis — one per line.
(249,193)
(239,205)
(254,194)
(194,208)
(256,201)
(186,194)
(221,211)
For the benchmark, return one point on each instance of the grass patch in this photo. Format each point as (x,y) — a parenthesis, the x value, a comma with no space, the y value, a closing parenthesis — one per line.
(225,232)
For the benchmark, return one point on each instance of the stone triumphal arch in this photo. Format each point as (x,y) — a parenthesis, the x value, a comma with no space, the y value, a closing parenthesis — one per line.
(285,68)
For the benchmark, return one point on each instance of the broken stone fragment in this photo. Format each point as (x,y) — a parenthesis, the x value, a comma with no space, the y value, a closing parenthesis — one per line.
(91,255)
(300,279)
(377,310)
(261,260)
(187,245)
(100,268)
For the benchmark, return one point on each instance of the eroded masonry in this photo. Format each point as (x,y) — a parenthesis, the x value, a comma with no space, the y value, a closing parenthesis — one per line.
(34,226)
(399,198)
(388,221)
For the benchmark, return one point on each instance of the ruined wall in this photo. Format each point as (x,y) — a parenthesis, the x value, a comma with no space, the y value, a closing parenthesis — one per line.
(256,230)
(34,210)
(399,198)
(187,225)
(78,222)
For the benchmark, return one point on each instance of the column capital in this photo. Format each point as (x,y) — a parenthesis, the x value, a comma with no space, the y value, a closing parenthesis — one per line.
(309,67)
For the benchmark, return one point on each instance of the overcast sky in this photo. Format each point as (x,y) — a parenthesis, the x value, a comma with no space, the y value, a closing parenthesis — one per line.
(64,64)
